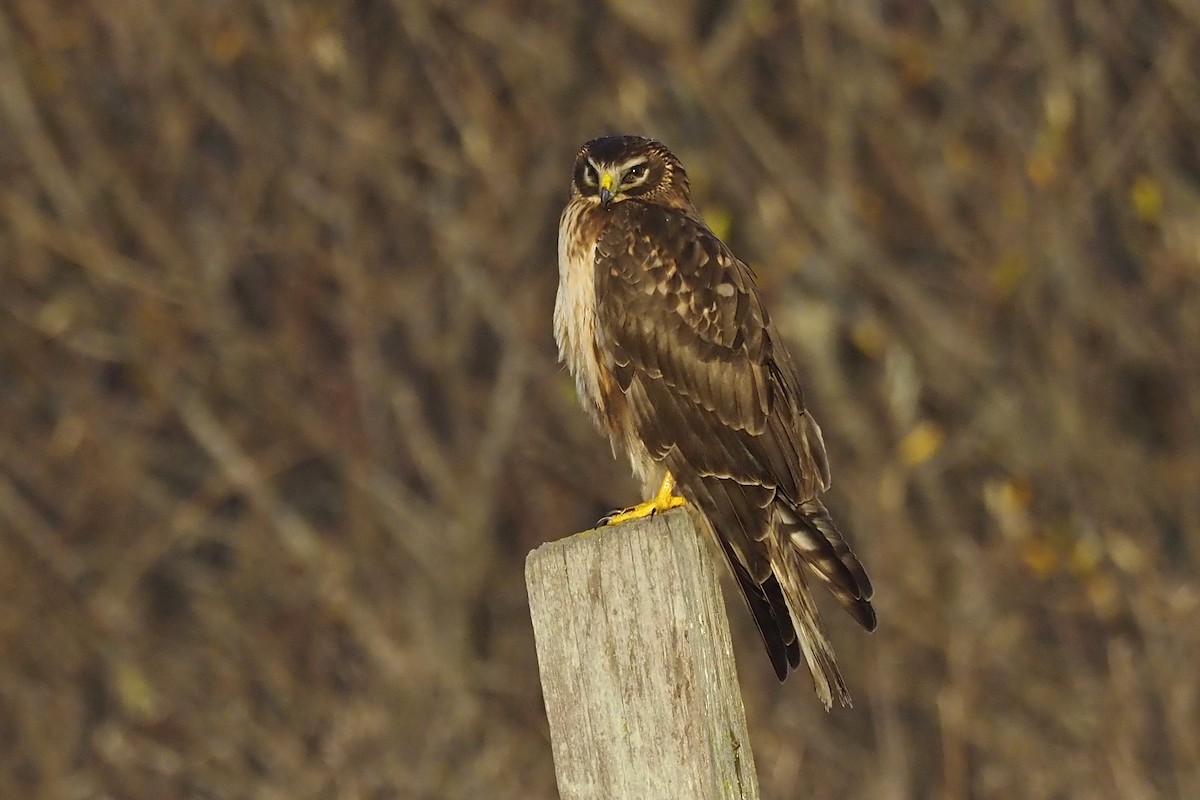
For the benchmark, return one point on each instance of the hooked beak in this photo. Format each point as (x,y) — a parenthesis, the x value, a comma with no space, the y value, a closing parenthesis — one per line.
(608,182)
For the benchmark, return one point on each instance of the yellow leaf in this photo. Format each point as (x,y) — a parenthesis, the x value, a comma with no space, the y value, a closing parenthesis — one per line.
(1126,553)
(329,52)
(1147,198)
(869,337)
(226,45)
(1008,502)
(921,443)
(1086,555)
(1105,595)
(1007,274)
(1039,556)
(1041,169)
(719,221)
(135,693)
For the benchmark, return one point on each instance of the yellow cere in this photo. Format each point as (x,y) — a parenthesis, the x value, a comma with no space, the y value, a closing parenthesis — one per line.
(608,181)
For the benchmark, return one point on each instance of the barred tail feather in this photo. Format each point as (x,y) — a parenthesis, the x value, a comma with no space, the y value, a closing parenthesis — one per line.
(818,652)
(811,531)
(805,540)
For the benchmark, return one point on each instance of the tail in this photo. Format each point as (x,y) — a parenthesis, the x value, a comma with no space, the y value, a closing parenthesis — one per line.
(810,634)
(806,540)
(811,532)
(773,547)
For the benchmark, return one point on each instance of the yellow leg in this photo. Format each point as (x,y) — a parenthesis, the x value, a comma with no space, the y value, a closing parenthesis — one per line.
(663,500)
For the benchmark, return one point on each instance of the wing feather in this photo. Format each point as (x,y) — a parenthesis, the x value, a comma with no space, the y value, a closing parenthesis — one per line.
(685,320)
(712,397)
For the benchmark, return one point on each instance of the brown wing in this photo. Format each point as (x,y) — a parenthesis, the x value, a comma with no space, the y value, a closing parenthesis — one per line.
(711,396)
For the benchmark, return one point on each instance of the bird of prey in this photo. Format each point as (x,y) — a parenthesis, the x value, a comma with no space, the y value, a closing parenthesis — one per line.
(675,358)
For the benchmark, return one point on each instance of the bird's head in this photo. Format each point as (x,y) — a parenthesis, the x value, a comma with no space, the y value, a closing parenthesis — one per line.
(616,168)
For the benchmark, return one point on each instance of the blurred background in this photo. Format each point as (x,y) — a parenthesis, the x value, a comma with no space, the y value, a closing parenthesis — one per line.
(280,414)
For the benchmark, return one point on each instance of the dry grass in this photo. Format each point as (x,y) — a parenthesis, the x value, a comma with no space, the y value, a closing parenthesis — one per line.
(280,415)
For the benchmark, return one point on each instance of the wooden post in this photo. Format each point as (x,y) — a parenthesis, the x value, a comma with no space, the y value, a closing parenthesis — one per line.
(637,665)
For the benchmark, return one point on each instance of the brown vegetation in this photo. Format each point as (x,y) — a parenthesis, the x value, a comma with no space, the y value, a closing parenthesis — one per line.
(280,415)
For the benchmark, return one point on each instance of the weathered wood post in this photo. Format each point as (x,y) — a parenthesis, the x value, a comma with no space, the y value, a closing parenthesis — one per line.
(637,665)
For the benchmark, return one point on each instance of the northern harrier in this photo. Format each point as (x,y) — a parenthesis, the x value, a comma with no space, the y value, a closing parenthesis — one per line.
(675,358)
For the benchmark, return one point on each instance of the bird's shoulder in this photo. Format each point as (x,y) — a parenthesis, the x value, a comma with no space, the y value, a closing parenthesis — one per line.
(661,265)
(650,237)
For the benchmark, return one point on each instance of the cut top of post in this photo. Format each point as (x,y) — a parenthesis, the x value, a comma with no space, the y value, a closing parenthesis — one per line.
(637,665)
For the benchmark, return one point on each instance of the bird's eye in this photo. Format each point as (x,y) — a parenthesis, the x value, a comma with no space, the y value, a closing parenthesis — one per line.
(590,177)
(634,174)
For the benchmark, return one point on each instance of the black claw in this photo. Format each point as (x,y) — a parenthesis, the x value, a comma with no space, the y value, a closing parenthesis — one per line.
(607,518)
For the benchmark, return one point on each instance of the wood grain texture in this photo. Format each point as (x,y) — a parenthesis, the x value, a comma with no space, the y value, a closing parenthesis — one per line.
(637,666)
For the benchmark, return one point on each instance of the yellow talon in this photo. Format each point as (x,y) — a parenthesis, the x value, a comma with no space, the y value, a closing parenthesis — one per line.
(663,500)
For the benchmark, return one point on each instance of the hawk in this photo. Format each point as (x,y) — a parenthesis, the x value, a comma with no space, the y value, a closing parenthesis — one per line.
(675,358)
